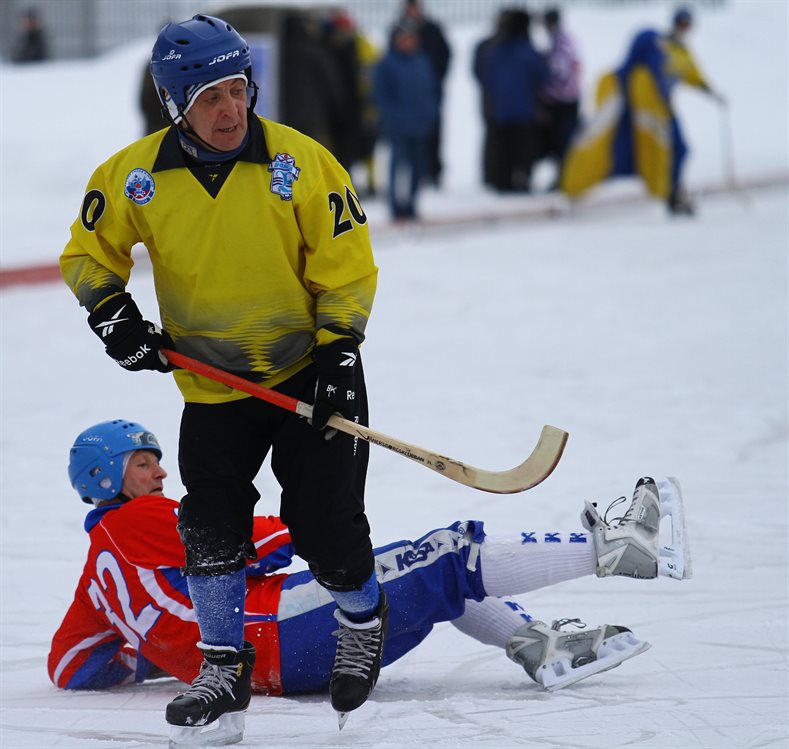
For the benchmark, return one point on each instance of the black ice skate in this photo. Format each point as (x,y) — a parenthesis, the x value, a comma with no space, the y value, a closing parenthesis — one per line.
(211,712)
(358,659)
(555,658)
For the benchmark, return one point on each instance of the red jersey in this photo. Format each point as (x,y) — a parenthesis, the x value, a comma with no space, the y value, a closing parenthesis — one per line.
(132,615)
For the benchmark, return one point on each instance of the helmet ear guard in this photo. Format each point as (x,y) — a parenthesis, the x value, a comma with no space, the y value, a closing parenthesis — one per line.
(193,55)
(96,459)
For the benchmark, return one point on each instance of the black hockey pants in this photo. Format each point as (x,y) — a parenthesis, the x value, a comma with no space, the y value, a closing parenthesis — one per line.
(221,450)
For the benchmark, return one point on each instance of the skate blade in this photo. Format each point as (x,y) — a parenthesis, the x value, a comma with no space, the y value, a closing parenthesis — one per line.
(342,718)
(226,729)
(675,558)
(611,653)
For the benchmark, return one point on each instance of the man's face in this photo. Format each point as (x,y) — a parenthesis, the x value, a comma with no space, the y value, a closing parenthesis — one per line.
(219,114)
(143,475)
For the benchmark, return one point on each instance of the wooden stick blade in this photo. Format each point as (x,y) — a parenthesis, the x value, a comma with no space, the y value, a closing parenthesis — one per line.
(535,469)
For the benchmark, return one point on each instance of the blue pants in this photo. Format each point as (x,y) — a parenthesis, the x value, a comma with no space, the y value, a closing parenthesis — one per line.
(406,169)
(426,581)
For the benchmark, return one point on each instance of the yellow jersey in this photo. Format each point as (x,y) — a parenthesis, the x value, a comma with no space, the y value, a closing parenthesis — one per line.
(255,261)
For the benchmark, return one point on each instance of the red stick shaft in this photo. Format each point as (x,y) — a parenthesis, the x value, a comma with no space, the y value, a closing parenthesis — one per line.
(233,381)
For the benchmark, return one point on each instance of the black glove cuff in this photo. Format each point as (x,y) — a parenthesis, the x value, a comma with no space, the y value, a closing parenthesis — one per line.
(336,358)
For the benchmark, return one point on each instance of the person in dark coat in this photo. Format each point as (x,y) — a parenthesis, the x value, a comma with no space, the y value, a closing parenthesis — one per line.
(513,74)
(406,92)
(433,42)
(481,50)
(313,95)
(31,42)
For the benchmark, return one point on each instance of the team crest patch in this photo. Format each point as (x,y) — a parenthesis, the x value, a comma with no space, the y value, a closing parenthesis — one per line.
(140,186)
(284,173)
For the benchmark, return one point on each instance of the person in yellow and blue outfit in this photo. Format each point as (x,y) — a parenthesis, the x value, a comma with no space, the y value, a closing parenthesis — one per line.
(635,130)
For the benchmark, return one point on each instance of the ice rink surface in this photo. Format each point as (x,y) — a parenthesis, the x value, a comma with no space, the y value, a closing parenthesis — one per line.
(660,345)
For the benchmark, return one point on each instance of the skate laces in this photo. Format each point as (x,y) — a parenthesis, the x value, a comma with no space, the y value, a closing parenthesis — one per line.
(356,650)
(559,623)
(620,518)
(212,681)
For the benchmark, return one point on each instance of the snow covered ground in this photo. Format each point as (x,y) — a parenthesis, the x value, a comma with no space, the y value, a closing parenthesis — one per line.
(660,345)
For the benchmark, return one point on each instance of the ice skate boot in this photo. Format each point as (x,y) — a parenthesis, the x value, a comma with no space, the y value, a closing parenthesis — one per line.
(629,548)
(555,658)
(358,659)
(211,712)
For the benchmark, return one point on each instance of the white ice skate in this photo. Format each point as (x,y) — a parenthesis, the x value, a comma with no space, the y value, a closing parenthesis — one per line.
(555,658)
(632,547)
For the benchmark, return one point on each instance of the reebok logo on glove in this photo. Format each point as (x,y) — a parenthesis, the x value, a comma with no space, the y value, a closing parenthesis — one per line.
(132,342)
(335,389)
(135,357)
(106,327)
(332,392)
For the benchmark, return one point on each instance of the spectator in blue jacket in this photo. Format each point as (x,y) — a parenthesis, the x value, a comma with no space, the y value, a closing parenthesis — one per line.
(406,91)
(512,74)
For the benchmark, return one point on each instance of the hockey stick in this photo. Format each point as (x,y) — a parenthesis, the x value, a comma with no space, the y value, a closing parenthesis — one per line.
(536,468)
(727,155)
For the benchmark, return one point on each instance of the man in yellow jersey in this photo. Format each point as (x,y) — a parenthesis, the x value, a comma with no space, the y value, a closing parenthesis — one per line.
(262,266)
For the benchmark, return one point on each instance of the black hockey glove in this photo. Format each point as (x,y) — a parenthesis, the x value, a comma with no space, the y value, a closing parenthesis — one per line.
(133,342)
(335,390)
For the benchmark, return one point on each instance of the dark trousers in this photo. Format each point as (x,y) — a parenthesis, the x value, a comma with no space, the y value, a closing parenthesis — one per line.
(407,167)
(222,447)
(560,123)
(512,154)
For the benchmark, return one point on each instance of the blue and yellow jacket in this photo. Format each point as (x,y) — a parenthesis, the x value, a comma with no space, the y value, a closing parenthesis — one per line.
(631,130)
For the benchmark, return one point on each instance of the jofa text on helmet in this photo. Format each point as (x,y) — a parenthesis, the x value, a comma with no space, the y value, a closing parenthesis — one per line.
(226,56)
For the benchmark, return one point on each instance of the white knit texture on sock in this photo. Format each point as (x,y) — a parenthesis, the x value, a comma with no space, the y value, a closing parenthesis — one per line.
(492,621)
(510,567)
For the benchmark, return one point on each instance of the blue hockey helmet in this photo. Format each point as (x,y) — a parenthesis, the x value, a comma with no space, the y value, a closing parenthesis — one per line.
(191,56)
(95,467)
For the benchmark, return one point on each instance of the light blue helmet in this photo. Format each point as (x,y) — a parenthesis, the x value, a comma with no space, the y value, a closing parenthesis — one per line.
(95,467)
(190,56)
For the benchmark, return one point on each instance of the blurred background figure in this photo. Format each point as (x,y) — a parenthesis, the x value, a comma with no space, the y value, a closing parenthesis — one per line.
(433,42)
(356,130)
(406,92)
(314,99)
(30,44)
(479,56)
(635,129)
(561,94)
(513,73)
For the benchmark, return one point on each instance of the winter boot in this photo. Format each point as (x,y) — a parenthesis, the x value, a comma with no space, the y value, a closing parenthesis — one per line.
(358,659)
(629,548)
(680,204)
(556,659)
(211,712)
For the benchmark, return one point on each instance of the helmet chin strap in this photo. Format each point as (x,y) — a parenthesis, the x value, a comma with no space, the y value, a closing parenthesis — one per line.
(198,148)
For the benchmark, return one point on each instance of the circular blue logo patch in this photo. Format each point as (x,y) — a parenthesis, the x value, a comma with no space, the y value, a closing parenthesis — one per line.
(140,186)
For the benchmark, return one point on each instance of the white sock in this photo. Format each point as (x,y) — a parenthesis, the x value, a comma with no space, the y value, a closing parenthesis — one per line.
(510,567)
(492,621)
